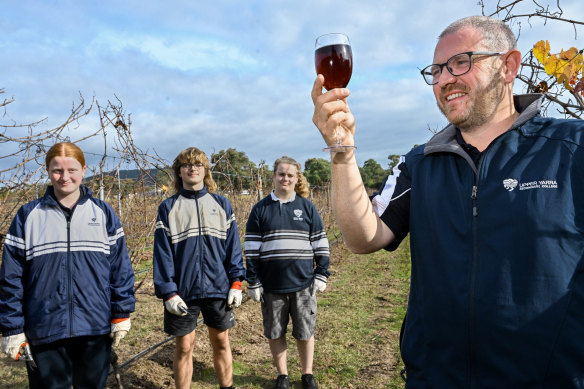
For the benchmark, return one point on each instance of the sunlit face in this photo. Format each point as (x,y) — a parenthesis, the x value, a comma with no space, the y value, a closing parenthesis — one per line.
(192,176)
(66,174)
(285,179)
(470,100)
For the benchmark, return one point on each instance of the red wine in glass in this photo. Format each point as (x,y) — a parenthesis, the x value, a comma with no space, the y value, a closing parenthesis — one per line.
(335,63)
(333,58)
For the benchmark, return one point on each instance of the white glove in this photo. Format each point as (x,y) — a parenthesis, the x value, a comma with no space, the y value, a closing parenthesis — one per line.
(318,286)
(119,330)
(11,345)
(255,292)
(172,305)
(234,298)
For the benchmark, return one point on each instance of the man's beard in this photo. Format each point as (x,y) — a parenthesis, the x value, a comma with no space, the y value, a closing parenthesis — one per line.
(481,107)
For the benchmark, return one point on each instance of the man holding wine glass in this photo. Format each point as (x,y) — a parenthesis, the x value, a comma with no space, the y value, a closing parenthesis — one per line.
(496,221)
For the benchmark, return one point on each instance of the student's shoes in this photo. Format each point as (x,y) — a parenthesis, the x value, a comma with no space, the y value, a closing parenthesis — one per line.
(308,382)
(282,382)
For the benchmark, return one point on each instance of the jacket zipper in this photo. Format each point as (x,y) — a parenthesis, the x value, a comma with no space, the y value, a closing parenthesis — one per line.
(201,261)
(474,265)
(70,274)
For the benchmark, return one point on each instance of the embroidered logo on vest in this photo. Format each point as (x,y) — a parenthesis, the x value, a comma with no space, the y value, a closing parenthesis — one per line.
(511,183)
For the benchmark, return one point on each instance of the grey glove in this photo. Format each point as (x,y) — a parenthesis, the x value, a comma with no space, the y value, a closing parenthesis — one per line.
(255,292)
(119,329)
(319,284)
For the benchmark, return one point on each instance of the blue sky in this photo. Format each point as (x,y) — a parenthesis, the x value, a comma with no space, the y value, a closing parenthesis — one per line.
(236,74)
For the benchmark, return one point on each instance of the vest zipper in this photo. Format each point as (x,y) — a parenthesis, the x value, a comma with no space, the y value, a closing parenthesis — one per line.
(473,279)
(473,196)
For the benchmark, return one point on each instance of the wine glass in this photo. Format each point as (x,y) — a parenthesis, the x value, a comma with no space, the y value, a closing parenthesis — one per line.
(333,58)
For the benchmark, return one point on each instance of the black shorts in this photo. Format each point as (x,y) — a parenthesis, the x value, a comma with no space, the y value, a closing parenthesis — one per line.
(216,314)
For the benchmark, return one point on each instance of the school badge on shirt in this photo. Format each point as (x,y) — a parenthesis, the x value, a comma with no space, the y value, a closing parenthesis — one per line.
(297,214)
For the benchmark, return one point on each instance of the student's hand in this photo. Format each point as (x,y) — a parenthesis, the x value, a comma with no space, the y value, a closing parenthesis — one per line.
(332,113)
(119,329)
(11,345)
(255,292)
(234,298)
(318,285)
(176,306)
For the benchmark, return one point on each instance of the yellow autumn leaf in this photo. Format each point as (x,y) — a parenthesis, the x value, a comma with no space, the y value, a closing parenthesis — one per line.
(551,66)
(563,65)
(541,51)
(569,55)
(563,78)
(578,62)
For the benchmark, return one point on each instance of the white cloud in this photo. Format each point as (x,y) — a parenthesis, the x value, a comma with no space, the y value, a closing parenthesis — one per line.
(182,53)
(236,74)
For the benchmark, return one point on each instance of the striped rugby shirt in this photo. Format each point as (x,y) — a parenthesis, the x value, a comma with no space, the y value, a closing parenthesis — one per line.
(285,245)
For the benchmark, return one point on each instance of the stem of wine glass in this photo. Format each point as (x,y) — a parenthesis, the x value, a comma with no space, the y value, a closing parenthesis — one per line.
(338,135)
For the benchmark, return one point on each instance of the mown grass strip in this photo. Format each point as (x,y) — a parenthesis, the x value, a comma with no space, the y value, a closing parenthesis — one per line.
(359,320)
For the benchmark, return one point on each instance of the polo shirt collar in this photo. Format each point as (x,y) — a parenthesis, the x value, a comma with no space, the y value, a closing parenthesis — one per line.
(275,198)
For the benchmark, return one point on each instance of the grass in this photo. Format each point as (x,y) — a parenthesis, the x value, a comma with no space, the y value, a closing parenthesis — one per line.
(358,322)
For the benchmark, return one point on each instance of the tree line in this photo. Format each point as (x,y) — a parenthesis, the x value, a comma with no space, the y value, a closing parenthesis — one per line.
(232,169)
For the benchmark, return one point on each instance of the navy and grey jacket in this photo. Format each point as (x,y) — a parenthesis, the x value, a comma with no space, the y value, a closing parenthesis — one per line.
(63,276)
(285,245)
(497,282)
(197,251)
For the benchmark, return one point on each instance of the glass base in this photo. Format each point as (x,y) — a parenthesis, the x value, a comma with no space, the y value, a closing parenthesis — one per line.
(339,148)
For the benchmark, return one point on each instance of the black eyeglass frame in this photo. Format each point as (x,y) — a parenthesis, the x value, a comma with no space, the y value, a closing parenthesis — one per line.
(445,64)
(189,166)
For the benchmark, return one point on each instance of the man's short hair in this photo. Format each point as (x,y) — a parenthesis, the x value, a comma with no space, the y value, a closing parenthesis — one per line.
(497,36)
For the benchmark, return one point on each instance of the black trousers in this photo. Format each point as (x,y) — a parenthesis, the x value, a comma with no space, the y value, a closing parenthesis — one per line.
(81,362)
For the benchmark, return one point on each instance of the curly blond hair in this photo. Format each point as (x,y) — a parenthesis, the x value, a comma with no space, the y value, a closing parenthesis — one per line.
(302,187)
(192,155)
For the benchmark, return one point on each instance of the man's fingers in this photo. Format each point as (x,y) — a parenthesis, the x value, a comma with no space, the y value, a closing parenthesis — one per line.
(332,95)
(317,88)
(331,111)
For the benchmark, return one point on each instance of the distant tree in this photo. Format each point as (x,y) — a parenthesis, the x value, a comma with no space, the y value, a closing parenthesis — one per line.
(372,173)
(233,170)
(317,171)
(393,161)
(163,179)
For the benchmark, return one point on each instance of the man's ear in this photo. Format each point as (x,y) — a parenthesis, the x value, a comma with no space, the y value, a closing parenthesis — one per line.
(511,65)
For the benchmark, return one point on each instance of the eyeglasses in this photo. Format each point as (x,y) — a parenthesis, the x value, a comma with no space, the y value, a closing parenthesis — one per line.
(189,166)
(457,65)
